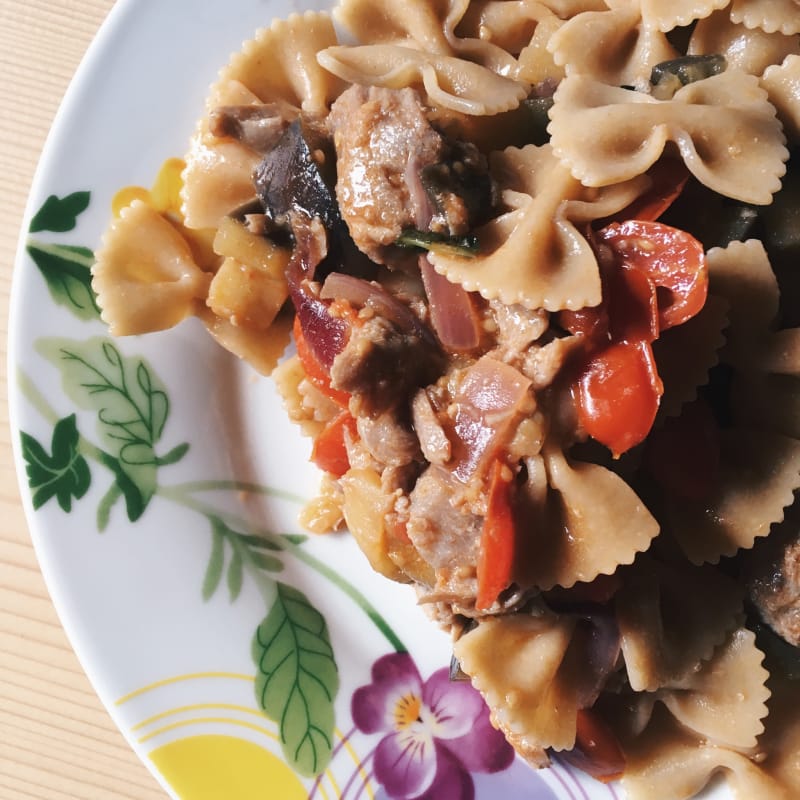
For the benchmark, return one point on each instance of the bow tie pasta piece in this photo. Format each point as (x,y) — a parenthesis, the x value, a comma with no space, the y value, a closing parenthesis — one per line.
(686,353)
(669,14)
(145,274)
(434,28)
(534,254)
(670,763)
(280,63)
(758,475)
(741,273)
(276,71)
(751,50)
(414,23)
(260,351)
(724,128)
(671,619)
(449,82)
(783,86)
(725,701)
(769,15)
(594,522)
(712,726)
(526,670)
(617,47)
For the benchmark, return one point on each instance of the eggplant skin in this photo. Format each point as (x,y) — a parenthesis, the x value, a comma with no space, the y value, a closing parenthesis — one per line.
(298,176)
(295,184)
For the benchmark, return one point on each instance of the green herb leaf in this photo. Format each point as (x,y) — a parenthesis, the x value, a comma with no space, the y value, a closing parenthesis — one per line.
(67,271)
(63,473)
(131,404)
(464,246)
(60,214)
(297,679)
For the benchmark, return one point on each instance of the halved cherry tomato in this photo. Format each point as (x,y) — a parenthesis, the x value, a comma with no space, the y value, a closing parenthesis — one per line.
(668,176)
(672,259)
(617,395)
(597,750)
(330,447)
(498,539)
(632,306)
(314,370)
(684,454)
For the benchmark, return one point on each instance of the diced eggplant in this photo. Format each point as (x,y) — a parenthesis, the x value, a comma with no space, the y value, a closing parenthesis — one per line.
(668,76)
(297,176)
(258,127)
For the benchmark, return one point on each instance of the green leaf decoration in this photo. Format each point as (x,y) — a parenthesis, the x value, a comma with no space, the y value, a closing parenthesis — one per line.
(216,563)
(297,679)
(67,271)
(132,407)
(60,214)
(266,562)
(235,576)
(135,500)
(63,473)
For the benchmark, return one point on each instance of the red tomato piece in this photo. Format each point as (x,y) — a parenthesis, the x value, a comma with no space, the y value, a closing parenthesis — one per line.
(672,259)
(330,447)
(315,371)
(617,395)
(633,306)
(668,176)
(497,550)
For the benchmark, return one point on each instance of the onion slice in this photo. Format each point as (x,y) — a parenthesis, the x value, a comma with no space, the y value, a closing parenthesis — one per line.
(453,316)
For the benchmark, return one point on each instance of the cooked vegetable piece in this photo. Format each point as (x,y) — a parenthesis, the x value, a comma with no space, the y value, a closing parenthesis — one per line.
(297,176)
(671,258)
(314,369)
(688,69)
(617,395)
(330,447)
(668,176)
(465,246)
(497,550)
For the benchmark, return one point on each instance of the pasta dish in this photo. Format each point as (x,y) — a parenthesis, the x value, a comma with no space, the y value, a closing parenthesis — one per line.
(525,273)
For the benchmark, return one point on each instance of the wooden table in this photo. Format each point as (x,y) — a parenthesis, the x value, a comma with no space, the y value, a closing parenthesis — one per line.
(56,739)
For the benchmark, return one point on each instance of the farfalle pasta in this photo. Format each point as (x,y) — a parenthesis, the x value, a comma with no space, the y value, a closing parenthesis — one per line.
(724,128)
(536,260)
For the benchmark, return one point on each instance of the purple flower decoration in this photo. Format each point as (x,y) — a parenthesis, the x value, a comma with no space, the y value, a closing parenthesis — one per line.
(436,732)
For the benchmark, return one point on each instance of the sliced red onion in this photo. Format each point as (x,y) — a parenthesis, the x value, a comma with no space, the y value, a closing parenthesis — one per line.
(487,401)
(359,293)
(325,334)
(453,316)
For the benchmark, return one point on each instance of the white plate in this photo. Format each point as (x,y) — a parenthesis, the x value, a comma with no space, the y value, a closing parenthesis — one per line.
(149,548)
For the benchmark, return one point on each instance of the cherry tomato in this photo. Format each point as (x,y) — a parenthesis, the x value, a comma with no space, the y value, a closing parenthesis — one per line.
(668,176)
(617,395)
(632,306)
(672,259)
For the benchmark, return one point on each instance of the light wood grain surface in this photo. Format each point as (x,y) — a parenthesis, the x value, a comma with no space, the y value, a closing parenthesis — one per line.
(56,739)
